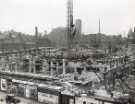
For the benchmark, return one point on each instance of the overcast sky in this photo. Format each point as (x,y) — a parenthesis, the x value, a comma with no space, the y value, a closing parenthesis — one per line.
(117,16)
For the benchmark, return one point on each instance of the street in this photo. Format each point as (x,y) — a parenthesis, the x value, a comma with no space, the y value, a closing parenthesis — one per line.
(22,100)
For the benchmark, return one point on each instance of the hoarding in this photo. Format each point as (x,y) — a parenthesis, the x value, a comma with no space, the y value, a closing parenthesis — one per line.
(48,98)
(21,90)
(3,84)
(28,91)
(31,92)
(85,100)
(71,101)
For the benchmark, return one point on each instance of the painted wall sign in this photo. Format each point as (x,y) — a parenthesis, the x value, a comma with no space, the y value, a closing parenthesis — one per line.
(85,100)
(3,84)
(48,98)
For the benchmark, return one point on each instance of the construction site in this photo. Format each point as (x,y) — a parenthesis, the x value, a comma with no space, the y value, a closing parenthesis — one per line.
(69,75)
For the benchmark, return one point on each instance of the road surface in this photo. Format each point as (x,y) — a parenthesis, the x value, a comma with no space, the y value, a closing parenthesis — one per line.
(22,100)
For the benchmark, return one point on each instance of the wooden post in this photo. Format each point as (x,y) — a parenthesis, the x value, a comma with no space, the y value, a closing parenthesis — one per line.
(64,67)
(51,68)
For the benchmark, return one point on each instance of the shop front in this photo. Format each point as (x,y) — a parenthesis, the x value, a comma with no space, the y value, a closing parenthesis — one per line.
(3,85)
(31,92)
(85,100)
(25,89)
(21,90)
(48,96)
(67,99)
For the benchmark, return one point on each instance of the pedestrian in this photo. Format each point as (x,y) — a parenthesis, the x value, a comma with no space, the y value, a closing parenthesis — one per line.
(8,101)
(1,100)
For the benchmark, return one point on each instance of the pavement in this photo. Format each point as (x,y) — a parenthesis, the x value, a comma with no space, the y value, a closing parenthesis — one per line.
(22,100)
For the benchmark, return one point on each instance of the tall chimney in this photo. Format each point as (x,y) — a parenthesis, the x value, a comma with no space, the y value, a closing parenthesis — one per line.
(69,22)
(99,26)
(36,32)
(36,37)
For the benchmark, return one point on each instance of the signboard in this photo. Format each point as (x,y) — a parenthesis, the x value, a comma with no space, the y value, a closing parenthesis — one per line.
(31,91)
(28,91)
(86,100)
(3,84)
(71,101)
(48,98)
(21,90)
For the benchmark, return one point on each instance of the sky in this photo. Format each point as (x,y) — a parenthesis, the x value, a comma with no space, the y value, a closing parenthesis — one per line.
(116,16)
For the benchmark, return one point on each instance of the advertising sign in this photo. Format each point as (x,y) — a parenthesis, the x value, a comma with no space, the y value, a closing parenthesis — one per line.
(3,84)
(31,91)
(28,91)
(47,98)
(86,100)
(71,101)
(21,90)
